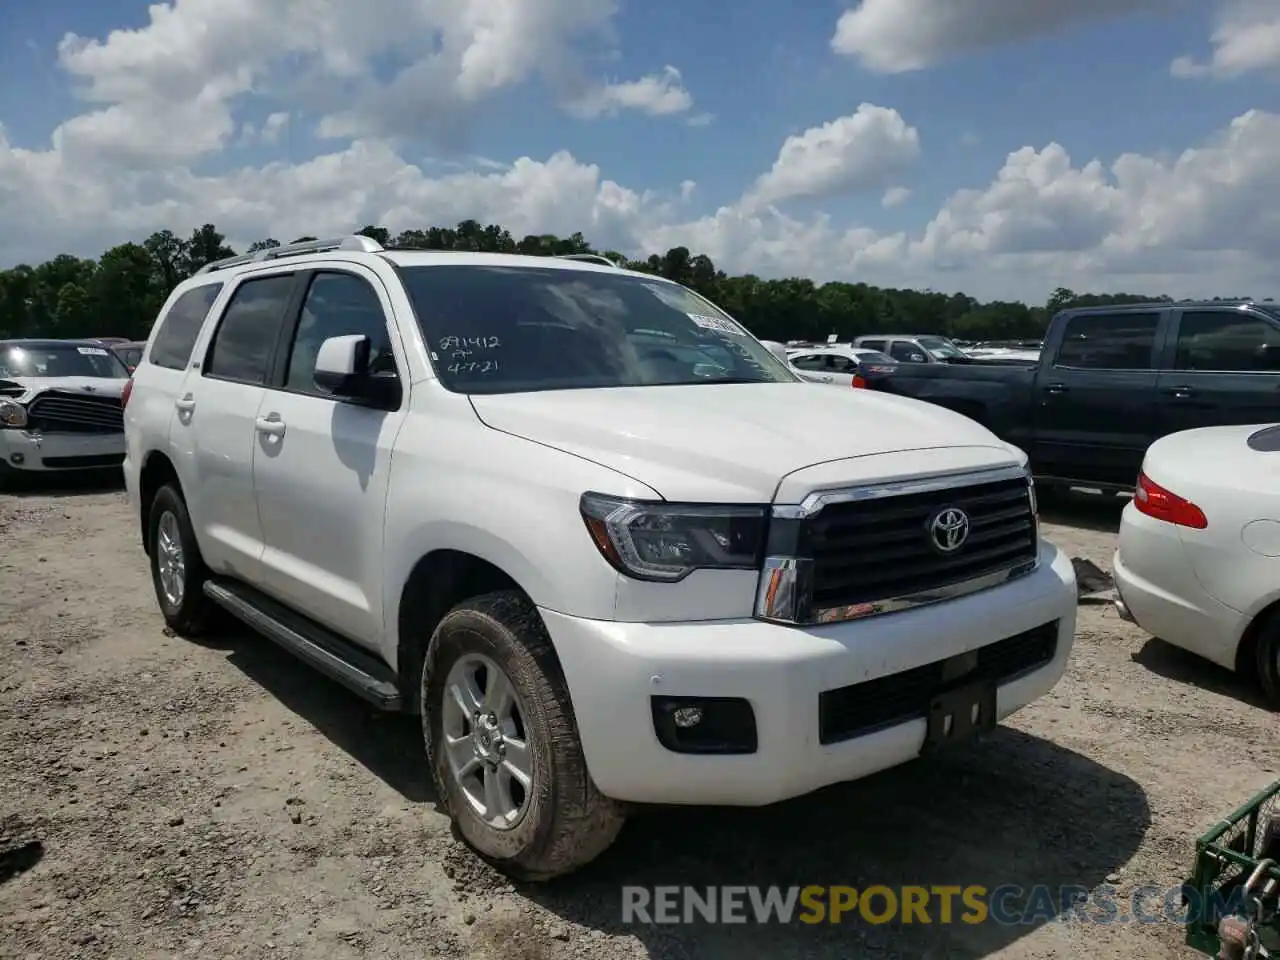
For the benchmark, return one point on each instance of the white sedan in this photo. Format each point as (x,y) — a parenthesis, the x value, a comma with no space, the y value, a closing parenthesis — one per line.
(838,364)
(1198,562)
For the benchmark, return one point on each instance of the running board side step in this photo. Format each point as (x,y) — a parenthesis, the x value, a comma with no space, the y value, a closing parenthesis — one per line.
(335,657)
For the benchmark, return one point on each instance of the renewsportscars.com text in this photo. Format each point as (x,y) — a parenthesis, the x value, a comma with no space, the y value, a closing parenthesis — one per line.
(1008,904)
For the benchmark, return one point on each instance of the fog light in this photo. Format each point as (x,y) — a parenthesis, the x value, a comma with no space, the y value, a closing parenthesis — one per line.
(706,725)
(687,716)
(17,458)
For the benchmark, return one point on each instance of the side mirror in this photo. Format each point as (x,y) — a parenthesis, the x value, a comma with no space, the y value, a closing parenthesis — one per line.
(342,369)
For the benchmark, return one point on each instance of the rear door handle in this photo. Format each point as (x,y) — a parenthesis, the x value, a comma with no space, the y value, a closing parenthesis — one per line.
(1181,393)
(270,425)
(185,404)
(1055,388)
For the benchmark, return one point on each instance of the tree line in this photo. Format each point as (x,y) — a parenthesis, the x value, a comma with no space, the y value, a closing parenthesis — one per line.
(120,293)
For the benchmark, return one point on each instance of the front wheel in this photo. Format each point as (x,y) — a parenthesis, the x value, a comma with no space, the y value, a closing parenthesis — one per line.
(503,744)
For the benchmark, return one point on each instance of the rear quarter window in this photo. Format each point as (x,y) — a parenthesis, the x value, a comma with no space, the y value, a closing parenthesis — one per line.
(180,327)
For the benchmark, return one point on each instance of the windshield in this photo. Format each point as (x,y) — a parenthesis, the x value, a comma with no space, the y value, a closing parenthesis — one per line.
(60,360)
(940,347)
(515,329)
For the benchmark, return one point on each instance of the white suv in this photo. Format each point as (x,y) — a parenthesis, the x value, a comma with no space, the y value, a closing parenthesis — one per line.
(601,539)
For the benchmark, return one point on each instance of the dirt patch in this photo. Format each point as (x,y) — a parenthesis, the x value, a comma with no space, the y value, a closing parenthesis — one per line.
(165,798)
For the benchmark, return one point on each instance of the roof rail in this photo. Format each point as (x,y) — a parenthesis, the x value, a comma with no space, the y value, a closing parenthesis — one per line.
(588,258)
(356,242)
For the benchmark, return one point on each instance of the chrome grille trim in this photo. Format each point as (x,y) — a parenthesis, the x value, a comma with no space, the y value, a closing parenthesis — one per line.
(786,589)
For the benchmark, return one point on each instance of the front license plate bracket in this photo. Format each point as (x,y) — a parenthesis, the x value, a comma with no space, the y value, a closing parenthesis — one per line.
(960,714)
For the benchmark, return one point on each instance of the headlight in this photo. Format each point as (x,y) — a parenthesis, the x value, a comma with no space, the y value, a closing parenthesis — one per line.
(12,414)
(655,540)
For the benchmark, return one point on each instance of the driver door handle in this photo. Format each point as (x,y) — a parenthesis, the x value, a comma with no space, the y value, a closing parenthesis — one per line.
(185,404)
(1180,392)
(1056,388)
(270,425)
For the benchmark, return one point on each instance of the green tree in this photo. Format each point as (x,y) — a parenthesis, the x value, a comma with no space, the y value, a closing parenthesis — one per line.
(121,292)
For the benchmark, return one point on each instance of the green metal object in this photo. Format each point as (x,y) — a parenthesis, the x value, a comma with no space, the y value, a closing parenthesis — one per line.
(1227,857)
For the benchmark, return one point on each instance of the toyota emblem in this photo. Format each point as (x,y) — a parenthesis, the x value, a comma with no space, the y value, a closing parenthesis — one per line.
(949,529)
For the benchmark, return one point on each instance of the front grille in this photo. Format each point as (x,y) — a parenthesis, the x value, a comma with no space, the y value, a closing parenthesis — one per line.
(879,549)
(64,413)
(864,708)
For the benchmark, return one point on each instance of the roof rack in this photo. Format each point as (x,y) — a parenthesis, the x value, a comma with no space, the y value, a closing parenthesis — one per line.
(588,258)
(356,243)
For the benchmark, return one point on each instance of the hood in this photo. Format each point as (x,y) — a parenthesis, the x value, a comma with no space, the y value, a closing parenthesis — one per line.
(91,386)
(732,442)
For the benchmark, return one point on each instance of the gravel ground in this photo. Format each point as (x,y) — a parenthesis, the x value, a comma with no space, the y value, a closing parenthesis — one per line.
(221,800)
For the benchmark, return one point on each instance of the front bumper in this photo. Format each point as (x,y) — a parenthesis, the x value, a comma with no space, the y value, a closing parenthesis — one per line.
(44,452)
(614,668)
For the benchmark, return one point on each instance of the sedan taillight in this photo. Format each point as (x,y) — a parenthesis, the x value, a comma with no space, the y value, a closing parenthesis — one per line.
(1155,501)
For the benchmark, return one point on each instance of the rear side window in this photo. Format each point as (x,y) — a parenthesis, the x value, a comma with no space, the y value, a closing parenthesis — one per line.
(181,326)
(245,340)
(1116,341)
(907,352)
(872,344)
(810,361)
(1223,340)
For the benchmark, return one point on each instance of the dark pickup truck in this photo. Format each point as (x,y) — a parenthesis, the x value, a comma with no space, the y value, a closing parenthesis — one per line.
(1110,380)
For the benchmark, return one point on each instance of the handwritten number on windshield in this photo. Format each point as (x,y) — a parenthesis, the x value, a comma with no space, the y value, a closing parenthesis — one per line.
(470,343)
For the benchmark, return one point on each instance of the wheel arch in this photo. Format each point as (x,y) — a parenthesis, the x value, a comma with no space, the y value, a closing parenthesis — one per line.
(157,471)
(1246,649)
(437,582)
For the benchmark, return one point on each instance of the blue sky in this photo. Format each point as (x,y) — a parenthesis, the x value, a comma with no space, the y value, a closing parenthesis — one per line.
(1099,84)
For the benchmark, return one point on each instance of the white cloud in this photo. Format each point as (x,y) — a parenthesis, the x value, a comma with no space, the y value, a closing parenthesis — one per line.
(274,126)
(658,94)
(163,100)
(1246,38)
(1206,212)
(896,36)
(846,155)
(895,196)
(1201,222)
(169,89)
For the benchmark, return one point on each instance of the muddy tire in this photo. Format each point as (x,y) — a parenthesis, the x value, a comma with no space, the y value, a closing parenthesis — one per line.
(503,745)
(178,572)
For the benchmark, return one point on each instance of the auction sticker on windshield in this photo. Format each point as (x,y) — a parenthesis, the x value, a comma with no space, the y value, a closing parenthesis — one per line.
(91,351)
(718,324)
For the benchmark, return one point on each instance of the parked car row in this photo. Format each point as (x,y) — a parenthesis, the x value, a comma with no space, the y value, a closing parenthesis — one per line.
(1112,380)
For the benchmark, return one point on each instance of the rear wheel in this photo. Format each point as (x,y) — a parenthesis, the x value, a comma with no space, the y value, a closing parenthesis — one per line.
(1267,659)
(177,569)
(503,743)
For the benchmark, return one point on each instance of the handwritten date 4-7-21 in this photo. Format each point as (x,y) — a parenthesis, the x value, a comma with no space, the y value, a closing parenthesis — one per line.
(474,366)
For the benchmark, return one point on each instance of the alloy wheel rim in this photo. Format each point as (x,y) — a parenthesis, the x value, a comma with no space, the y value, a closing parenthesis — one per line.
(486,741)
(171,564)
